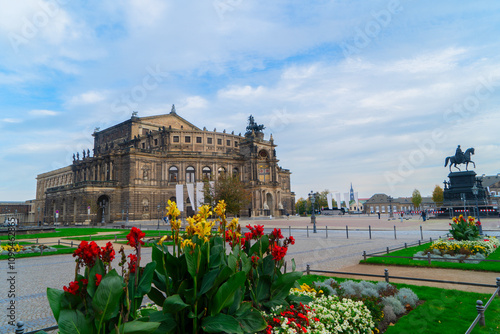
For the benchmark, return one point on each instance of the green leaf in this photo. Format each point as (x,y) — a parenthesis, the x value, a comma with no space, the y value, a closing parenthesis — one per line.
(145,280)
(156,296)
(221,323)
(191,257)
(260,246)
(299,299)
(246,263)
(232,261)
(216,256)
(174,304)
(208,281)
(74,322)
(294,266)
(281,287)
(225,295)
(55,298)
(138,327)
(252,321)
(98,268)
(107,298)
(263,289)
(158,256)
(267,266)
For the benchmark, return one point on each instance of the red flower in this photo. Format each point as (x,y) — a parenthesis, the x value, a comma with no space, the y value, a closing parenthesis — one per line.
(107,253)
(278,252)
(255,259)
(277,234)
(98,279)
(133,263)
(73,288)
(87,253)
(134,237)
(255,233)
(478,223)
(85,281)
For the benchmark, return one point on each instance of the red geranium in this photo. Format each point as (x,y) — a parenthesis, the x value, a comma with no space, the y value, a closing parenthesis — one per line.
(276,234)
(134,237)
(73,288)
(278,252)
(255,233)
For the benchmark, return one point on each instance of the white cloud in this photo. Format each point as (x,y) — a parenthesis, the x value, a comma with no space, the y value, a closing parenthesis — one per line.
(12,120)
(89,97)
(42,113)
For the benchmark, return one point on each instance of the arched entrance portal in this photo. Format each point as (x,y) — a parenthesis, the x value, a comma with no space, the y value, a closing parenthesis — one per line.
(269,202)
(103,209)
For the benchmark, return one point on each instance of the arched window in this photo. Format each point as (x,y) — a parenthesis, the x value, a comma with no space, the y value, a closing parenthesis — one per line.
(221,170)
(172,174)
(236,171)
(190,177)
(206,173)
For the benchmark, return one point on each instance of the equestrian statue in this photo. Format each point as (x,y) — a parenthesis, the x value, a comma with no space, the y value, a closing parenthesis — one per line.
(460,158)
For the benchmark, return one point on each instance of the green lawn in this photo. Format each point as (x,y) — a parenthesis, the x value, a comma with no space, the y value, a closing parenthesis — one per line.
(444,311)
(483,266)
(63,232)
(121,235)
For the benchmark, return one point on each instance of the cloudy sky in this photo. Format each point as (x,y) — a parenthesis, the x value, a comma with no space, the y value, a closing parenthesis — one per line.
(376,93)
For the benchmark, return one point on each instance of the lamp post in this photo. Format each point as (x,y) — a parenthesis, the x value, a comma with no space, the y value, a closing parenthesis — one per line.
(158,216)
(103,206)
(462,195)
(475,191)
(391,215)
(127,204)
(312,196)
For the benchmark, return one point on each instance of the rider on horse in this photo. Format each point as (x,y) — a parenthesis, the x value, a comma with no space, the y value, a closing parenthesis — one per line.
(459,155)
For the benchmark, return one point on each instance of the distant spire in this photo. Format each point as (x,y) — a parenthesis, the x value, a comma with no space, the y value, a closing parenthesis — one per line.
(173,110)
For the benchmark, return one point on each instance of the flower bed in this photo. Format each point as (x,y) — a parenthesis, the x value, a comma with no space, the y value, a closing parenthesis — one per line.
(348,307)
(25,249)
(442,250)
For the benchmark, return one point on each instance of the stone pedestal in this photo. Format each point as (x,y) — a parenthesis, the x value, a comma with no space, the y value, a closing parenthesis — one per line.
(462,183)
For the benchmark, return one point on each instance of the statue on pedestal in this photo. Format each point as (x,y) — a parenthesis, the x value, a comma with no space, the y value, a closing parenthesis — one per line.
(460,158)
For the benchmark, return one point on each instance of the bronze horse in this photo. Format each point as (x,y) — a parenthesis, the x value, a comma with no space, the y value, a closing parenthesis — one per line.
(453,159)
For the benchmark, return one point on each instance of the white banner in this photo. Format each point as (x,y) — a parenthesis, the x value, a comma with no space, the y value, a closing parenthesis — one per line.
(346,199)
(179,196)
(329,199)
(190,189)
(212,188)
(200,196)
(356,199)
(337,198)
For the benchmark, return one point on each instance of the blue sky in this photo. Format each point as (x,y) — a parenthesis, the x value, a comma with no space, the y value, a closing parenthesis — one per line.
(375,93)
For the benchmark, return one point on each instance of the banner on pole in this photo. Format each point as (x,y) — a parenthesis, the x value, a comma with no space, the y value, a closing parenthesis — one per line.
(179,196)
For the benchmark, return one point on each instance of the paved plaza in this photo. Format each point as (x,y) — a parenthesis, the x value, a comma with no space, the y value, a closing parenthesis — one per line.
(325,250)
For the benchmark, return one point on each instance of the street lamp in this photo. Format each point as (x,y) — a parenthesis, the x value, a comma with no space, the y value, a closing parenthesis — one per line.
(158,216)
(475,191)
(103,206)
(127,205)
(391,215)
(312,196)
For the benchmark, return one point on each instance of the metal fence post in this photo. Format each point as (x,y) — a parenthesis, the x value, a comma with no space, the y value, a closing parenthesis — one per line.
(429,258)
(116,238)
(307,230)
(480,312)
(71,243)
(347,231)
(421,233)
(386,274)
(59,241)
(37,240)
(498,285)
(308,269)
(20,327)
(326,231)
(364,255)
(370,231)
(289,231)
(406,245)
(419,243)
(395,232)
(430,239)
(387,250)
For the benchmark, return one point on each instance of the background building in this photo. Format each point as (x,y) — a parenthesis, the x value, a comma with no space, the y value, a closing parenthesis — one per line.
(136,165)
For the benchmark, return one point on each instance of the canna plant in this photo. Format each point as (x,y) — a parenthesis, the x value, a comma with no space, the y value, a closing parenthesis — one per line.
(101,300)
(209,283)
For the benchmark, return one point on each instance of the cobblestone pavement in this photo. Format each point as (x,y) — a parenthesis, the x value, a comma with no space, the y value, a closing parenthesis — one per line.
(322,251)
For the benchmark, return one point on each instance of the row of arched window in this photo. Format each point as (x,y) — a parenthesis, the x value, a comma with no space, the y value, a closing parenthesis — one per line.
(206,173)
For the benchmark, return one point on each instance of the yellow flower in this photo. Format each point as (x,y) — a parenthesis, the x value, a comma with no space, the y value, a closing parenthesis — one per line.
(220,209)
(204,211)
(175,224)
(233,225)
(187,243)
(162,239)
(173,210)
(203,229)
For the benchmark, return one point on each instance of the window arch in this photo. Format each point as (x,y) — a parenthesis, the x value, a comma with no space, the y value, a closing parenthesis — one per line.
(236,171)
(221,171)
(206,172)
(190,175)
(173,173)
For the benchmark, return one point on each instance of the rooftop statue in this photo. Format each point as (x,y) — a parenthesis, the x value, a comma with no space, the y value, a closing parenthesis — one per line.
(460,158)
(252,126)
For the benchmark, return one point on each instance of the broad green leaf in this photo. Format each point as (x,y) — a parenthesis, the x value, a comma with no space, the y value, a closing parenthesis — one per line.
(174,304)
(55,298)
(252,321)
(158,256)
(299,299)
(74,322)
(138,327)
(167,322)
(238,298)
(246,263)
(98,268)
(244,308)
(260,246)
(145,280)
(267,266)
(232,261)
(263,289)
(221,323)
(281,286)
(156,296)
(208,281)
(191,257)
(107,298)
(225,295)
(216,256)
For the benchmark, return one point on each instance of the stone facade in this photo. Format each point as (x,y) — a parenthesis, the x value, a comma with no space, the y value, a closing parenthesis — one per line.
(136,165)
(382,203)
